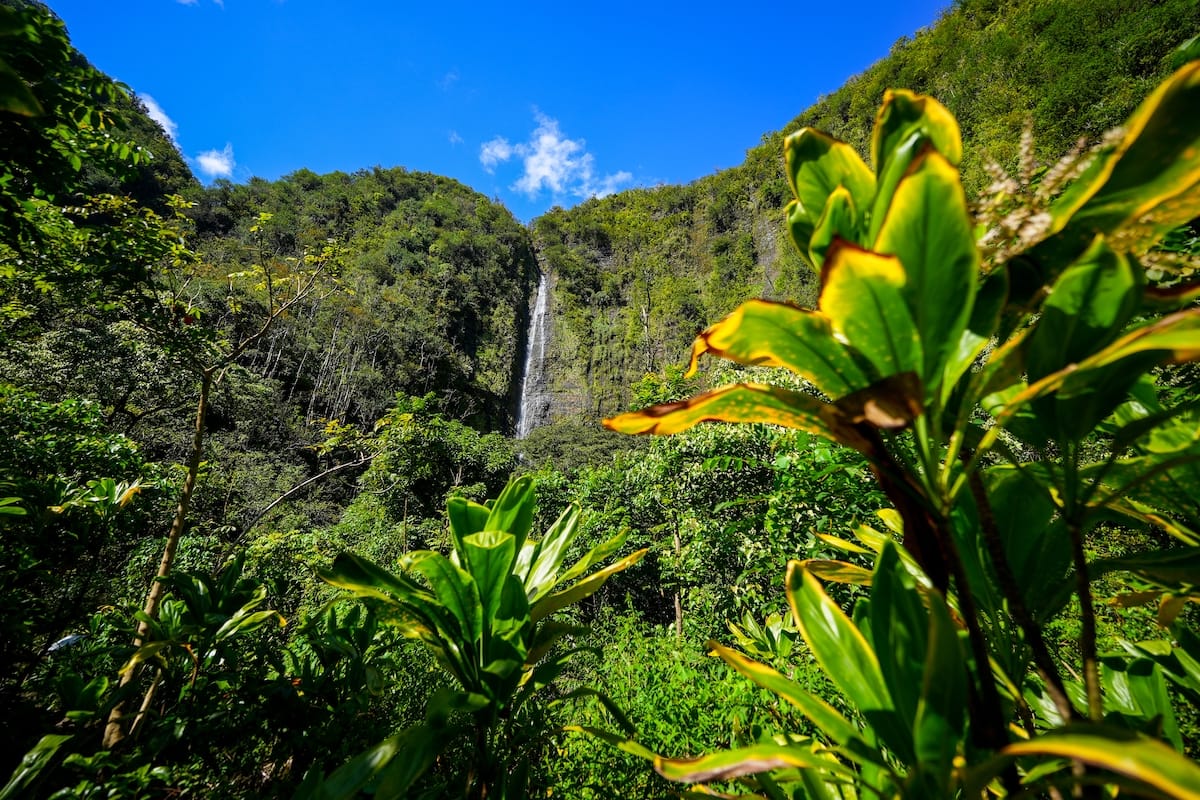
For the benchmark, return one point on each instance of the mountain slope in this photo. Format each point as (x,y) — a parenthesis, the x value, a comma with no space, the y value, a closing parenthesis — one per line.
(637,274)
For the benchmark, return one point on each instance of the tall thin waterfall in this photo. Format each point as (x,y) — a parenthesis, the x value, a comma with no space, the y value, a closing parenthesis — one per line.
(535,395)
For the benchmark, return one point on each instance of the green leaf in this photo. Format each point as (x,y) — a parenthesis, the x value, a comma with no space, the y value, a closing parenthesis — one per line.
(928,228)
(1171,339)
(839,647)
(1175,567)
(365,578)
(771,334)
(1039,553)
(863,295)
(489,559)
(1088,306)
(744,402)
(1137,691)
(583,588)
(839,571)
(1126,753)
(1145,184)
(466,517)
(899,626)
(594,556)
(827,719)
(420,748)
(902,113)
(981,326)
(906,125)
(419,745)
(817,165)
(548,634)
(839,220)
(32,764)
(456,592)
(9,507)
(15,95)
(729,764)
(548,554)
(941,719)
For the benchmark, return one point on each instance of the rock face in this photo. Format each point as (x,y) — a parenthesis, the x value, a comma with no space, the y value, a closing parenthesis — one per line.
(535,387)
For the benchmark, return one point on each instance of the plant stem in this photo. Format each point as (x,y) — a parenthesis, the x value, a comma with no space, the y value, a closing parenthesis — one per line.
(1032,632)
(1087,633)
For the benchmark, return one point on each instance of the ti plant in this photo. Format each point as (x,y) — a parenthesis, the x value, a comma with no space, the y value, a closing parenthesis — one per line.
(484,611)
(1015,413)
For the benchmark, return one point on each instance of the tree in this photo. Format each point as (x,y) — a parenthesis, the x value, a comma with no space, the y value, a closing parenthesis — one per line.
(275,286)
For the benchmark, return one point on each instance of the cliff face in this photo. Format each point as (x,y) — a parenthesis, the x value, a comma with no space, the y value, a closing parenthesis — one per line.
(637,274)
(434,281)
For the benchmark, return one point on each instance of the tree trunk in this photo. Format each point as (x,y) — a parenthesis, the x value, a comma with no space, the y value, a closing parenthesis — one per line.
(112,731)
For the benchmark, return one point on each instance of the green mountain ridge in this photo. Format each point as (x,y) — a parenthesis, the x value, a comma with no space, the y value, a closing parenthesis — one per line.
(635,275)
(639,273)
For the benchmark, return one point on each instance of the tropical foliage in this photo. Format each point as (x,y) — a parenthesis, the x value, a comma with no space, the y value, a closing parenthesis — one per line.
(979,391)
(209,396)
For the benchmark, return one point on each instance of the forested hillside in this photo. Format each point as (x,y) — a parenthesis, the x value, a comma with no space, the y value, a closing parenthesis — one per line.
(265,529)
(640,272)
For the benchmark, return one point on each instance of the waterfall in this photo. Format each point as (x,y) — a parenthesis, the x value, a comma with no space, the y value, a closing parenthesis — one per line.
(535,395)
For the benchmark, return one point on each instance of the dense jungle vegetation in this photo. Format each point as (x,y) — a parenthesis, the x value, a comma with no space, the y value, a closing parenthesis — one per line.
(266,530)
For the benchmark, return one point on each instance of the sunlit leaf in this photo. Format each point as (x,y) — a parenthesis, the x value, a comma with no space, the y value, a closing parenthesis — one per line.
(756,758)
(775,334)
(907,124)
(863,296)
(928,228)
(839,220)
(582,589)
(1116,750)
(817,165)
(838,645)
(744,402)
(839,571)
(1148,182)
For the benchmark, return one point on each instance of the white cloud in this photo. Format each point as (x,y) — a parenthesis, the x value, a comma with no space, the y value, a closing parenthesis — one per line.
(494,152)
(552,162)
(217,163)
(156,113)
(611,183)
(455,138)
(447,81)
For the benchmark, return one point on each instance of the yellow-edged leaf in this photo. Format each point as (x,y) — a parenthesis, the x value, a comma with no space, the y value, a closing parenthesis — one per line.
(863,295)
(745,402)
(1147,182)
(776,334)
(1121,751)
(751,760)
(838,571)
(838,220)
(928,228)
(838,645)
(817,164)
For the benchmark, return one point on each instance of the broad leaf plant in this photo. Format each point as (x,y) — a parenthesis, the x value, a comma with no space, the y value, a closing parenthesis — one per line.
(485,610)
(1014,409)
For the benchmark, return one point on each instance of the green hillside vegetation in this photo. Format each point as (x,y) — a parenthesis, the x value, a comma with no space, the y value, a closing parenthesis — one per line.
(266,532)
(640,272)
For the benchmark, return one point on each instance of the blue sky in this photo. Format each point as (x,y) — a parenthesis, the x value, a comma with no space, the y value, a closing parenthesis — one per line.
(538,104)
